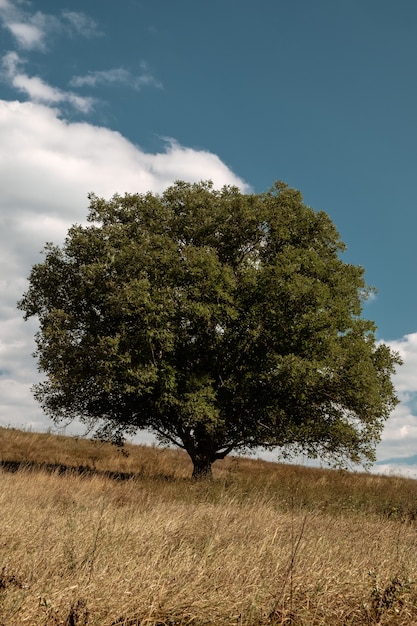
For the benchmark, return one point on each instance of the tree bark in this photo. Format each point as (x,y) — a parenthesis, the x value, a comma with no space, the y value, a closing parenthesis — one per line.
(202,468)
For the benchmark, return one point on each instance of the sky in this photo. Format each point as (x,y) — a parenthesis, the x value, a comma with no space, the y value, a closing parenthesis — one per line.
(130,96)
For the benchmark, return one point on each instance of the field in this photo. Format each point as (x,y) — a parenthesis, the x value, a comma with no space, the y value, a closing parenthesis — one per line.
(91,535)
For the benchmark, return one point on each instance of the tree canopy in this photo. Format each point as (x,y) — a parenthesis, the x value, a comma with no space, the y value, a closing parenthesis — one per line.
(219,321)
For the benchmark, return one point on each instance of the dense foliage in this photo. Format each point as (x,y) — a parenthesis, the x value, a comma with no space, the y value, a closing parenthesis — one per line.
(218,320)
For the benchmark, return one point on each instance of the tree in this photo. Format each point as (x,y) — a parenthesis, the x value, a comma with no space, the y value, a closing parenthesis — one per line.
(217,320)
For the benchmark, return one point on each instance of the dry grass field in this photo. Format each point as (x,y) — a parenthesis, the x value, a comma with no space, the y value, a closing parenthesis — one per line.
(91,536)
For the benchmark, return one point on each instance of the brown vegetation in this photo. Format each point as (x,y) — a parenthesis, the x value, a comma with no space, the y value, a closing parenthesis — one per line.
(90,536)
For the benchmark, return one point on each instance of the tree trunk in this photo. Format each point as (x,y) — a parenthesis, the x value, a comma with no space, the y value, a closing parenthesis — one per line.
(202,468)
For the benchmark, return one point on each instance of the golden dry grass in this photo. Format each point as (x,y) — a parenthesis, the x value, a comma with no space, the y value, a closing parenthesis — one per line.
(263,544)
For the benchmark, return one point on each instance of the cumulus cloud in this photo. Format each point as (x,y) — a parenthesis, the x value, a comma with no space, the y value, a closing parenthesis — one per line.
(47,167)
(406,378)
(37,89)
(399,438)
(116,77)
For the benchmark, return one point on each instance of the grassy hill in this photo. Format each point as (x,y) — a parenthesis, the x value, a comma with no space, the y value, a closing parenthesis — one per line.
(91,535)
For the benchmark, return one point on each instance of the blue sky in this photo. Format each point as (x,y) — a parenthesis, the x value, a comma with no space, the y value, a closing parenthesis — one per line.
(129,96)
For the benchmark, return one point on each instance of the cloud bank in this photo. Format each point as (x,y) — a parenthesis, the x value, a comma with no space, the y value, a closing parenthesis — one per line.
(399,438)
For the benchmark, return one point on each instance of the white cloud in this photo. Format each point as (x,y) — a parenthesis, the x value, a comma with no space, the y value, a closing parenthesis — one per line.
(117,76)
(28,36)
(47,168)
(94,79)
(178,162)
(81,24)
(392,469)
(406,378)
(37,89)
(399,437)
(31,30)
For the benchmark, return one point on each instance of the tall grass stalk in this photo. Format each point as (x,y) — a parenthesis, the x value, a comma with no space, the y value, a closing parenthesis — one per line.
(135,541)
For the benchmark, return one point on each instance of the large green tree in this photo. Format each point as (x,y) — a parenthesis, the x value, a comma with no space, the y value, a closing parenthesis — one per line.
(217,320)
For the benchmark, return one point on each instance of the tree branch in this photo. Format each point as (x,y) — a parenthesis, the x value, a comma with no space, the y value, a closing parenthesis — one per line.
(170,438)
